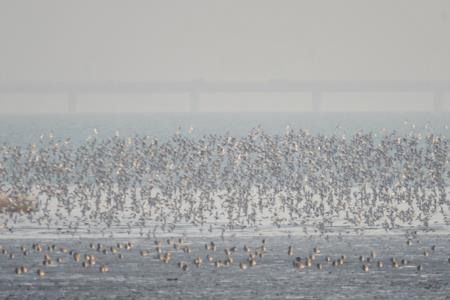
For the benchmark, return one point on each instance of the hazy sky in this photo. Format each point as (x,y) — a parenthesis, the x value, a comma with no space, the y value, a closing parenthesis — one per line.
(106,40)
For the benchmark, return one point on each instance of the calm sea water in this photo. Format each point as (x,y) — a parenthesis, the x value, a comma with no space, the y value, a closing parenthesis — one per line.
(19,129)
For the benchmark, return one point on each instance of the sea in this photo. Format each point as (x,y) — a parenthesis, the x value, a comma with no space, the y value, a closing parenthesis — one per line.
(138,277)
(23,129)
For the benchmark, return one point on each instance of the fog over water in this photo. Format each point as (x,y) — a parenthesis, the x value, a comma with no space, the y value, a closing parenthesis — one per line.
(143,41)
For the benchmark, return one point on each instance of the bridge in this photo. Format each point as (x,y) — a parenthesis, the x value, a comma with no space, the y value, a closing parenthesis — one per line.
(196,88)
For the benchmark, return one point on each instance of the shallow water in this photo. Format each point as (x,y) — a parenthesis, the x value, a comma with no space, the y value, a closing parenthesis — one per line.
(273,277)
(136,277)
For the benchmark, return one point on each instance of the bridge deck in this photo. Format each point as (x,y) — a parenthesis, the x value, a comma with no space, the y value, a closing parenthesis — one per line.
(197,87)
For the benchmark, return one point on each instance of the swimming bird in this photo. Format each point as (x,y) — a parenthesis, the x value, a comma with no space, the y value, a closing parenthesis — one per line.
(40,273)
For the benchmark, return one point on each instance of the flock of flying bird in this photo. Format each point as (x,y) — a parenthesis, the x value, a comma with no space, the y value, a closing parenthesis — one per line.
(366,180)
(385,180)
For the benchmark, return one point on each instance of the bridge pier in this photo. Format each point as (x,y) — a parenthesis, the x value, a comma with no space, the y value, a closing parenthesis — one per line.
(194,102)
(72,103)
(317,100)
(438,101)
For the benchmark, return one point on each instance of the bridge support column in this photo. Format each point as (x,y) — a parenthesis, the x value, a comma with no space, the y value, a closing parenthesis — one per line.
(316,100)
(194,102)
(438,101)
(72,103)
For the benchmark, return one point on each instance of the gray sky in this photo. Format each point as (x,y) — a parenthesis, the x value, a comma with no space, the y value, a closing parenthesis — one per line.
(108,40)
